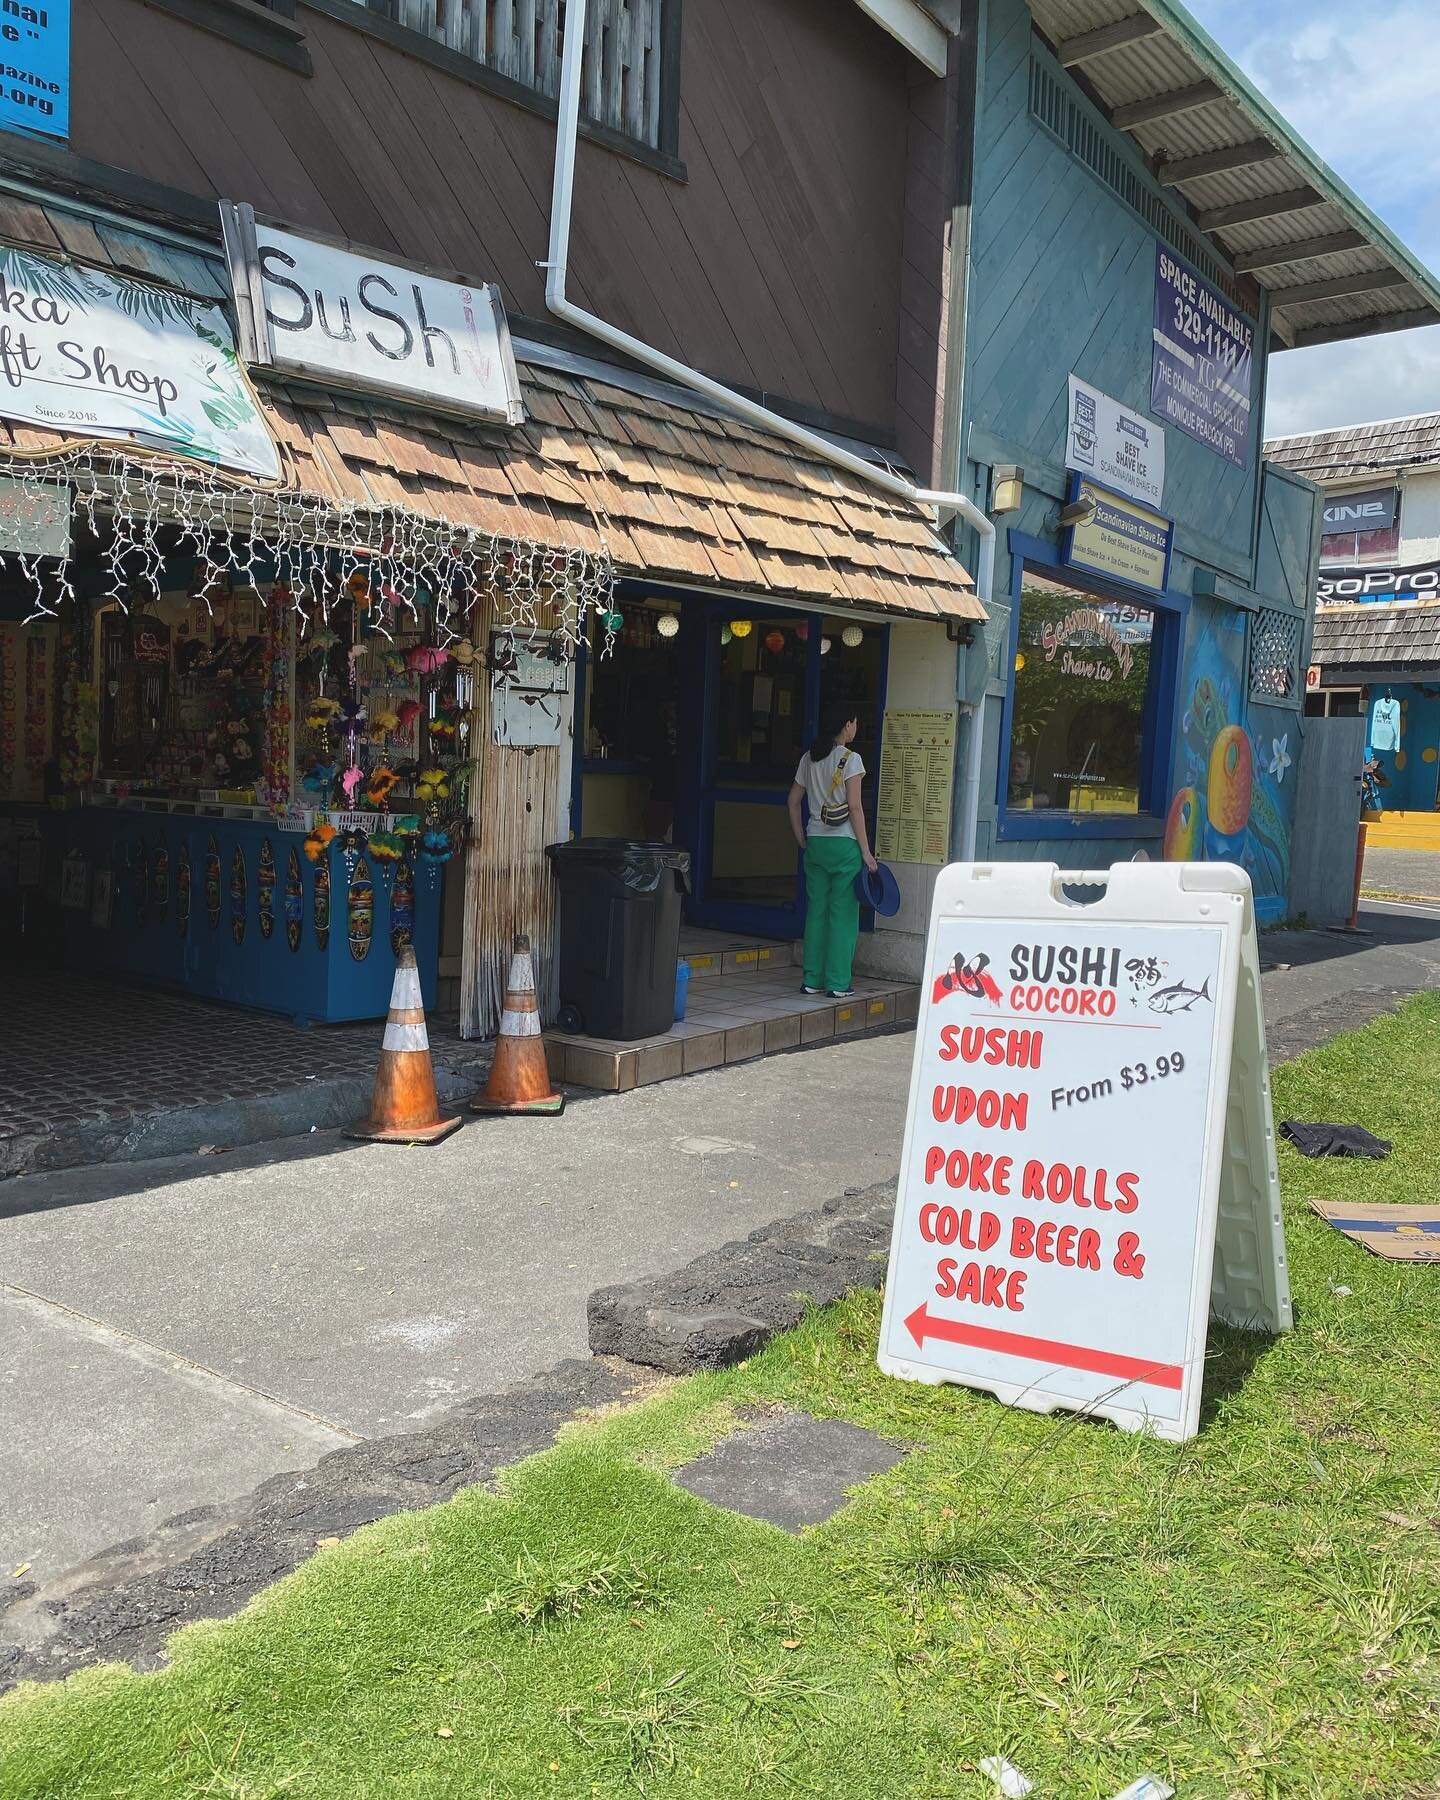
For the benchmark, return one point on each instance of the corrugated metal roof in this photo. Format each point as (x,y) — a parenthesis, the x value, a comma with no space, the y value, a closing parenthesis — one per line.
(1353,450)
(1158,76)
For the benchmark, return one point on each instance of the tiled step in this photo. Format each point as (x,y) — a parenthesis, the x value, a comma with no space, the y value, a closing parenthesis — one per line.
(752,958)
(729,1022)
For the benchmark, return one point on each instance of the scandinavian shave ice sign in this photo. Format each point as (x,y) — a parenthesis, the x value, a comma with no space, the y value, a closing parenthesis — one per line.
(325,312)
(1056,1223)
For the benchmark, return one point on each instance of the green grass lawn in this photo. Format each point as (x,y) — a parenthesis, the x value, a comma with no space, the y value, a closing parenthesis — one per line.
(1256,1613)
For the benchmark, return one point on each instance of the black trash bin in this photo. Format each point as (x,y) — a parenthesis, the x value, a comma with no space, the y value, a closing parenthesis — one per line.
(619,934)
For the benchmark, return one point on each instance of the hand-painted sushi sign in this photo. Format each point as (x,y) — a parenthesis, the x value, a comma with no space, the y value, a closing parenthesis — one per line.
(325,312)
(1088,1139)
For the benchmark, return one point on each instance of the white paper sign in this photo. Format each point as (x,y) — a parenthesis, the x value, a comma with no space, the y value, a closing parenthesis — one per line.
(361,322)
(1122,449)
(92,353)
(1059,1193)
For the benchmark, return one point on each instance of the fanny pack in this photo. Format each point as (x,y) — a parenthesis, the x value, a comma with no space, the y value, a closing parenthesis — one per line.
(837,812)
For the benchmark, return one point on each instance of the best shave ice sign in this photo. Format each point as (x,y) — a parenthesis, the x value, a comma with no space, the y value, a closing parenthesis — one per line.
(95,355)
(1065,1151)
(1202,364)
(328,313)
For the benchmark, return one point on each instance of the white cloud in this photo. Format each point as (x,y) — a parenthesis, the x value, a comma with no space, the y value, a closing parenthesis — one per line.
(1347,384)
(1357,83)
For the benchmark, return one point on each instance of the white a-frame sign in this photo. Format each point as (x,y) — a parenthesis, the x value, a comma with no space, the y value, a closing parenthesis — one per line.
(1089,1163)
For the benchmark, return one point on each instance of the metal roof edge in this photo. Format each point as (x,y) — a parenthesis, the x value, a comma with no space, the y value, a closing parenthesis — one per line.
(1203,48)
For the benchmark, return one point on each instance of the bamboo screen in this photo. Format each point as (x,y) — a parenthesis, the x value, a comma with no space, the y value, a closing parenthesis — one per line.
(514,812)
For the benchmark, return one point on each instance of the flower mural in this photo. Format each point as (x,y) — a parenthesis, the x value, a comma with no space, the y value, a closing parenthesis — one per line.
(1230,802)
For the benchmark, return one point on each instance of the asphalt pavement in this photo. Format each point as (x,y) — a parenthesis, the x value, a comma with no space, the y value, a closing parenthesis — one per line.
(179,1331)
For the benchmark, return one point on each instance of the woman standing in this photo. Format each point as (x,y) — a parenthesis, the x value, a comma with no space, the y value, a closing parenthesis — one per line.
(836,843)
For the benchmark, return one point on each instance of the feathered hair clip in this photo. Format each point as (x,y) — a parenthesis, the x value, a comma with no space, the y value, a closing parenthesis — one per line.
(318,840)
(425,659)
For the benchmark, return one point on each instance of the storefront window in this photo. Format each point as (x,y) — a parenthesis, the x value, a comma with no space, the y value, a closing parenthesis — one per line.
(1082,679)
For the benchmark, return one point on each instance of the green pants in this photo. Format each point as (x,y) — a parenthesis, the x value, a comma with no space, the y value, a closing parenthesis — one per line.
(832,911)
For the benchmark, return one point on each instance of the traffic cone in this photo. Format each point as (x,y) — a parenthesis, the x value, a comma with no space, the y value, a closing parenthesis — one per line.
(404,1109)
(519,1076)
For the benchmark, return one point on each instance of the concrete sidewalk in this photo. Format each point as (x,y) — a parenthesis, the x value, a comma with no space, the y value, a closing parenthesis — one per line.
(188,1328)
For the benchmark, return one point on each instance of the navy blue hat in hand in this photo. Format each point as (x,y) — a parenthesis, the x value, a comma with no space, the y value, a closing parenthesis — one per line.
(880,891)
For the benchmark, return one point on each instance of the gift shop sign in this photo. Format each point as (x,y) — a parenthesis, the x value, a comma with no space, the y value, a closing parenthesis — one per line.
(95,355)
(327,313)
(1202,365)
(1056,1218)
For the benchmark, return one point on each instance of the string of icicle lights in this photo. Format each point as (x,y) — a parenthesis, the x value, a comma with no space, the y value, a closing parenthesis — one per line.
(311,544)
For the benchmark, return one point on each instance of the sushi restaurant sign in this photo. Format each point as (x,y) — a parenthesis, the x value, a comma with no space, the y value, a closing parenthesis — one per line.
(93,354)
(1088,1171)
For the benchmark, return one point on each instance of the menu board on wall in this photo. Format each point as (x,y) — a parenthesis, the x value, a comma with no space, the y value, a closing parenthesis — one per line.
(917,776)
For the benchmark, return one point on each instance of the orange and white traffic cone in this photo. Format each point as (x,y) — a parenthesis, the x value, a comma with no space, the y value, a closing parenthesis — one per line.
(519,1076)
(404,1109)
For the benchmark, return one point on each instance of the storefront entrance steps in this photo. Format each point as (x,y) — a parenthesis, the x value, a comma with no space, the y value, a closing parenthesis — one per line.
(713,954)
(733,1016)
(1402,831)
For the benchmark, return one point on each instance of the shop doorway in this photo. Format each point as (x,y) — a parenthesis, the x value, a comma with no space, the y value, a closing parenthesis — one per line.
(693,731)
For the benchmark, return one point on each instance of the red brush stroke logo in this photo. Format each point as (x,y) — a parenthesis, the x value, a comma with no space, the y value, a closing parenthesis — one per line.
(970,978)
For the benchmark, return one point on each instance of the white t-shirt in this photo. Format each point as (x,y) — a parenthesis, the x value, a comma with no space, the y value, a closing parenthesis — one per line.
(823,788)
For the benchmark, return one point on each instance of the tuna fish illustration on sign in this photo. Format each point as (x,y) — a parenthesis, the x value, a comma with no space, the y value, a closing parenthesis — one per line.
(1179,998)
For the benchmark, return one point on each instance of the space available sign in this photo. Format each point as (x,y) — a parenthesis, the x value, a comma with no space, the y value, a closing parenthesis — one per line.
(1120,448)
(96,355)
(1202,365)
(1088,1168)
(1345,587)
(35,67)
(1372,510)
(324,312)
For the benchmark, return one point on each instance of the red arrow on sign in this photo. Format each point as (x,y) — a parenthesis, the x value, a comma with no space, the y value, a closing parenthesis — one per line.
(923,1324)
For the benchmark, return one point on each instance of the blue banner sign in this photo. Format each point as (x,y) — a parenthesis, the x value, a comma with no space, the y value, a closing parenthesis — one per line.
(1203,365)
(35,67)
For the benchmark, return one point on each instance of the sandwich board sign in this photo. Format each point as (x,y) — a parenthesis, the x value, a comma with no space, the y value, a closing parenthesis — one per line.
(1089,1169)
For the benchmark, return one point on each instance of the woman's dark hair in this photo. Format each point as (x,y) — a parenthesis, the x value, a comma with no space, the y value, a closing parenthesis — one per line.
(832,723)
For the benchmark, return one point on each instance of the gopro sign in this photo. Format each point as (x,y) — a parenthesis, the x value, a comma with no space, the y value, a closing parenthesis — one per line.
(1373,509)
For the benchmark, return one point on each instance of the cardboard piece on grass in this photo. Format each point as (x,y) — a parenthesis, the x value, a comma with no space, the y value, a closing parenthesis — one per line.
(1398,1233)
(1089,1166)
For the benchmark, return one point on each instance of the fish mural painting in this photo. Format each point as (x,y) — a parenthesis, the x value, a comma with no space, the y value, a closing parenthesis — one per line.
(1231,801)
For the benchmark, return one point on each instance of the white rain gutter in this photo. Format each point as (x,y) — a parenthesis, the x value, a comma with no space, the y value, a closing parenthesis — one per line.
(556,267)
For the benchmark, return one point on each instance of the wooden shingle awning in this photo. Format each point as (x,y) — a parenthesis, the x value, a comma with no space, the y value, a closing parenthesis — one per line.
(1376,636)
(675,494)
(671,493)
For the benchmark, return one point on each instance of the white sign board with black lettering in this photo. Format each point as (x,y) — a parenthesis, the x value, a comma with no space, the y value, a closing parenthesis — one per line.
(1117,445)
(1089,1162)
(325,312)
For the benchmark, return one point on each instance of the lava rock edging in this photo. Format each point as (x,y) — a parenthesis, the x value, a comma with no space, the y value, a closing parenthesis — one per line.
(730,1302)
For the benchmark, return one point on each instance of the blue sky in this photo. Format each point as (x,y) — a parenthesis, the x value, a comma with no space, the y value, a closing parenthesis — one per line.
(1358,81)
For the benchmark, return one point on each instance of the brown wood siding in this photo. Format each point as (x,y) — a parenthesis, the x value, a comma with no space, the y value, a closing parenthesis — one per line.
(777,265)
(934,120)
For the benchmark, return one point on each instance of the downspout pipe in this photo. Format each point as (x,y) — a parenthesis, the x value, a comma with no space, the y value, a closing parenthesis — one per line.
(556,266)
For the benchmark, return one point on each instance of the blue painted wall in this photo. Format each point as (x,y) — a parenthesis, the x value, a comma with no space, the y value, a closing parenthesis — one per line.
(1413,768)
(1062,280)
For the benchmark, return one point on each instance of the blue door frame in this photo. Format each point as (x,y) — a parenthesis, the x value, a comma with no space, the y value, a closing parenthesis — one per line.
(701,784)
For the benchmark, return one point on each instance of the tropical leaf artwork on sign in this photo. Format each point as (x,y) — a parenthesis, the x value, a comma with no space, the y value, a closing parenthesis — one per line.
(119,357)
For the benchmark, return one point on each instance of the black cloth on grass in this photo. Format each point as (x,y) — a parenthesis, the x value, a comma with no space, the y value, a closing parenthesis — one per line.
(1334,1140)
